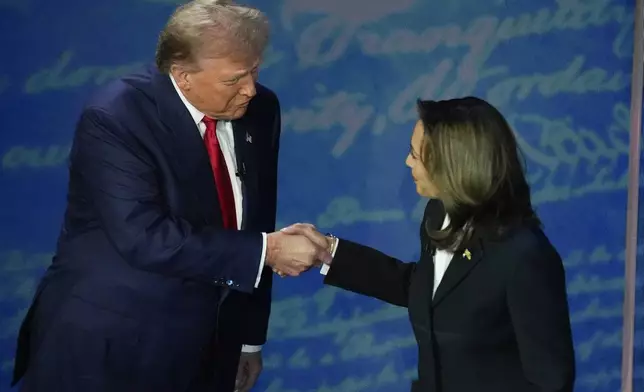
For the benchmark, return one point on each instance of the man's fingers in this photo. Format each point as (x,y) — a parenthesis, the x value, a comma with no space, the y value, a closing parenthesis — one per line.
(297,228)
(308,226)
(253,375)
(312,234)
(309,231)
(318,239)
(285,273)
(242,377)
(253,369)
(280,273)
(292,230)
(240,385)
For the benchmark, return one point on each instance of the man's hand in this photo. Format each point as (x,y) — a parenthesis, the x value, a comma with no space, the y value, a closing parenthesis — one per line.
(310,232)
(250,366)
(293,254)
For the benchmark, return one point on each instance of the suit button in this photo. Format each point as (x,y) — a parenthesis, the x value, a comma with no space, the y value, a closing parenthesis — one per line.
(230,282)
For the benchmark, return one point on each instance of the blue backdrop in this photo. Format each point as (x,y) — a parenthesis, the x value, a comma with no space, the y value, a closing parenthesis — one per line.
(348,73)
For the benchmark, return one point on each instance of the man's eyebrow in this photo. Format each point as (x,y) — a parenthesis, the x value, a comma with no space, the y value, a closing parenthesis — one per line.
(236,75)
(241,73)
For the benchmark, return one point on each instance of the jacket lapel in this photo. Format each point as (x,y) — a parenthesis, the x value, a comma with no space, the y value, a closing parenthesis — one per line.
(432,220)
(182,143)
(462,263)
(246,164)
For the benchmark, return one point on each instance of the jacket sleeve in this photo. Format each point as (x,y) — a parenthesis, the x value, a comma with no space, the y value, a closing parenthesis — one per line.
(123,188)
(259,308)
(538,307)
(366,271)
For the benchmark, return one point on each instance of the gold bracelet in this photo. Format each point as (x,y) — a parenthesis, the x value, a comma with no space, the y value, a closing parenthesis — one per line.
(334,243)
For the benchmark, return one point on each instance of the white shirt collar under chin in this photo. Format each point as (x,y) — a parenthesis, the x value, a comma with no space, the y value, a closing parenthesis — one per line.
(197,116)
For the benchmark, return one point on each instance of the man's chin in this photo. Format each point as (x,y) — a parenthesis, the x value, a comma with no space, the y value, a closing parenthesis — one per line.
(239,112)
(235,115)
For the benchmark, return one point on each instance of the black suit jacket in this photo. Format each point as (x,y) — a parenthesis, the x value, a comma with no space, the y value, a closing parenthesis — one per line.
(499,320)
(143,261)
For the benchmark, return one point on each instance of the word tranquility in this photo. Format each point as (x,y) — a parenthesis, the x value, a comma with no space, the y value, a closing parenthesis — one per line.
(330,37)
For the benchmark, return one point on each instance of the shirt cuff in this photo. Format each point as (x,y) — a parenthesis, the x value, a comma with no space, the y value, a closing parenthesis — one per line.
(251,349)
(325,267)
(261,261)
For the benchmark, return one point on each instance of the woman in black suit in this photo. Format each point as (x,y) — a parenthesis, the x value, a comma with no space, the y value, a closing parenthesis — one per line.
(487,300)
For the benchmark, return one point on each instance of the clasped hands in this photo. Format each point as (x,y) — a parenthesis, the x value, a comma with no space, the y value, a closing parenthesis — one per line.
(295,249)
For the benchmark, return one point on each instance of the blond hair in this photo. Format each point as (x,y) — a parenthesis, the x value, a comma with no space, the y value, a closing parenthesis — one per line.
(211,29)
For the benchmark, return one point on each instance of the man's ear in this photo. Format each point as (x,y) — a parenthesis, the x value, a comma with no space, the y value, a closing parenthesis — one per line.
(181,77)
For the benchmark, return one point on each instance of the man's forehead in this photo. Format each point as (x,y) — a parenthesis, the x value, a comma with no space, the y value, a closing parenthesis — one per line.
(231,66)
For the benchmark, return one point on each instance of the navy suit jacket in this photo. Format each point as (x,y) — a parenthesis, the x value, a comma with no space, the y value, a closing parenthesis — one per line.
(143,237)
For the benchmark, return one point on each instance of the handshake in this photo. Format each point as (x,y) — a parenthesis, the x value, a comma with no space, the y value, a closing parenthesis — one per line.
(295,249)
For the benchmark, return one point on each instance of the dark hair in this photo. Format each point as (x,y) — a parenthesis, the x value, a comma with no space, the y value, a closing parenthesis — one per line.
(472,157)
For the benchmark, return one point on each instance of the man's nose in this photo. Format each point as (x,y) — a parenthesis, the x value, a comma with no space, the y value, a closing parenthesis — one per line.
(249,89)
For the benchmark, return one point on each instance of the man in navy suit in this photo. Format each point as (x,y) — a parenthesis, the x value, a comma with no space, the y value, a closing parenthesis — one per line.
(162,275)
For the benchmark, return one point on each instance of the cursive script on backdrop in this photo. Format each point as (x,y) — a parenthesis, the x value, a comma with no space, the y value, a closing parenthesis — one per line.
(345,23)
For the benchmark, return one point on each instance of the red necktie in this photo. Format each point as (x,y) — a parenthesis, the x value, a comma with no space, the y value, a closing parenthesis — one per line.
(222,178)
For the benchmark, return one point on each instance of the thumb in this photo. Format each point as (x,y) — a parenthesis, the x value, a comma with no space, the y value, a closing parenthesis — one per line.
(298,228)
(292,229)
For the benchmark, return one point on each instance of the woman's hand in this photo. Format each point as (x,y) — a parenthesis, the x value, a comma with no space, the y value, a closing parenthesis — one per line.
(309,231)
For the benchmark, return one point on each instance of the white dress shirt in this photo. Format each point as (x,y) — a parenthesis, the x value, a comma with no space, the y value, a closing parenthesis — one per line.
(227,143)
(442,258)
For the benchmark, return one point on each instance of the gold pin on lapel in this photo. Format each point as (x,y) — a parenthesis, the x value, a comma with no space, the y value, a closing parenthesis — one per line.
(467,254)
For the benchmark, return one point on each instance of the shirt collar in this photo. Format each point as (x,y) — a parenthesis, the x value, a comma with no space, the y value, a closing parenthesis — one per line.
(196,115)
(445,222)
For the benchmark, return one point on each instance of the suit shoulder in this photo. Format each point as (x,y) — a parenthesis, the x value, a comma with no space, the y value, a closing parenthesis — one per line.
(265,93)
(528,243)
(266,96)
(119,96)
(530,238)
